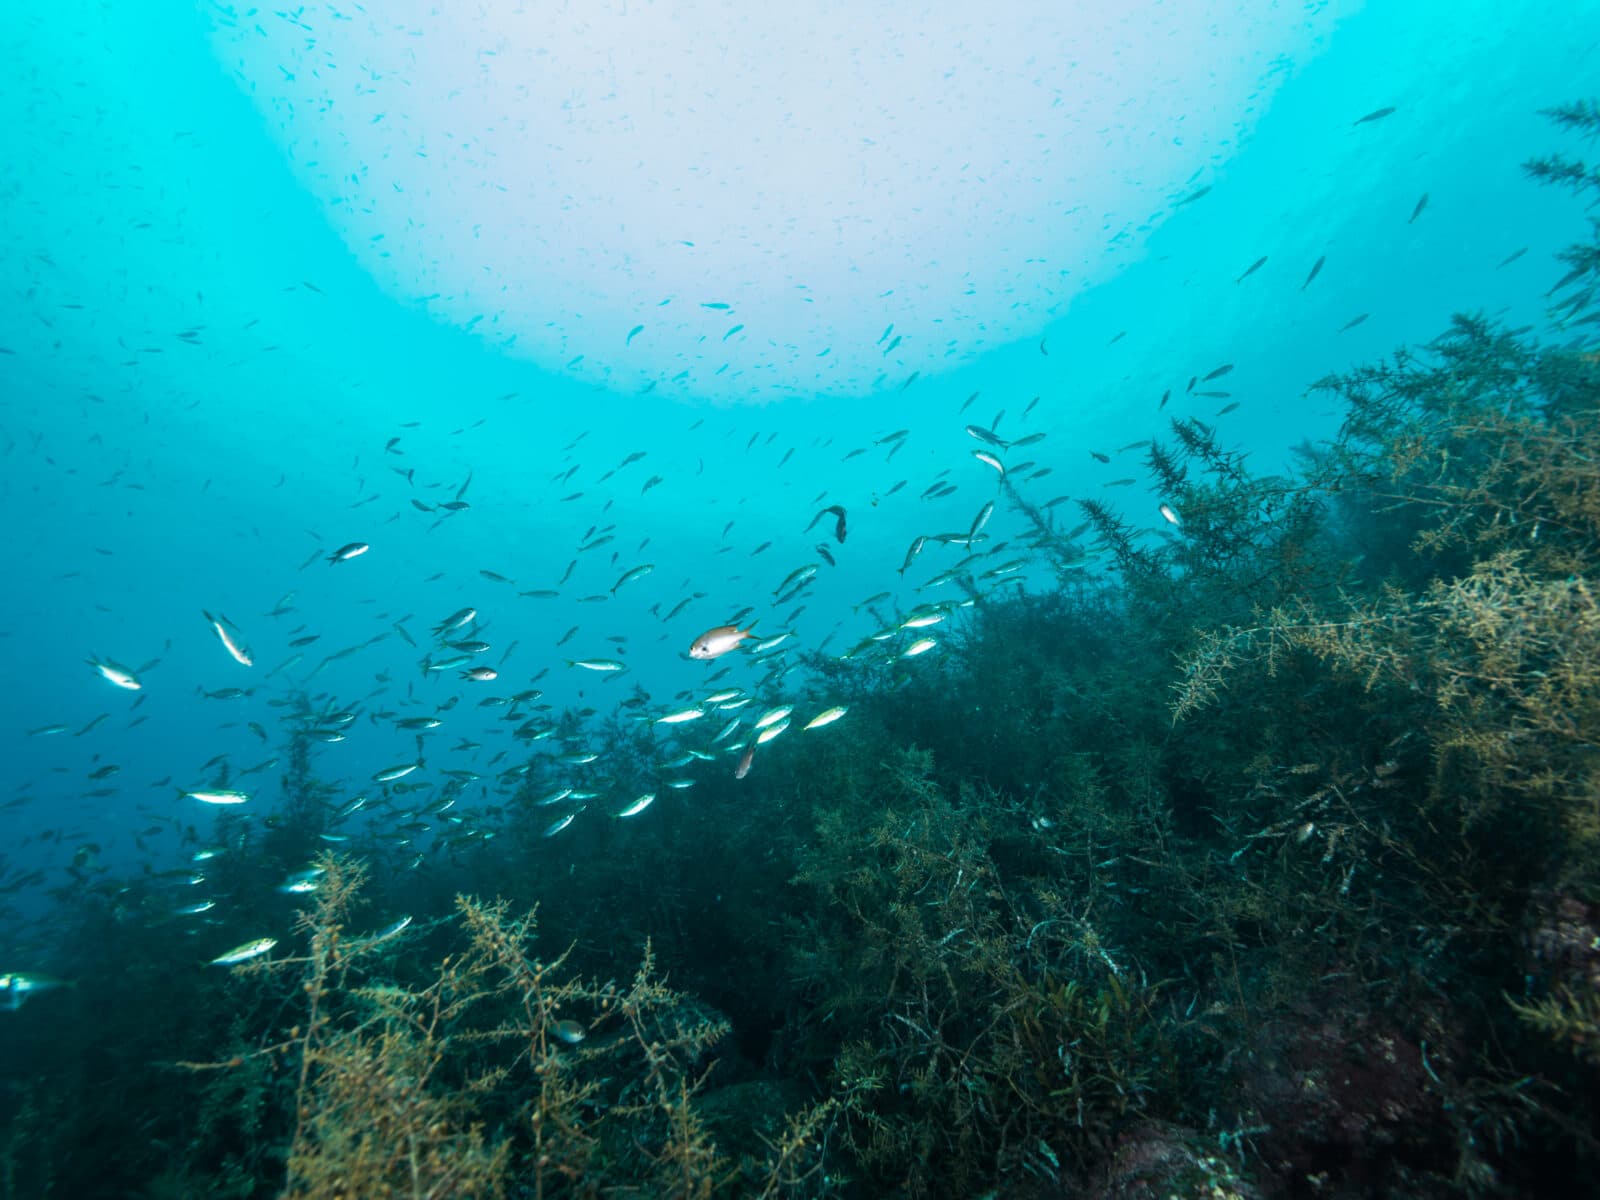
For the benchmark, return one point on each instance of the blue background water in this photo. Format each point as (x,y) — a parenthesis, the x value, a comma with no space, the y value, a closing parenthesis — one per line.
(166,174)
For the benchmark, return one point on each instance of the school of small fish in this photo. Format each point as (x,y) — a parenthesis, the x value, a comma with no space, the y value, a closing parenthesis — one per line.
(742,681)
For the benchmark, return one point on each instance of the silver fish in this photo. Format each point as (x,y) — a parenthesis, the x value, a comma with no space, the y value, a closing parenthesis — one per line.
(714,643)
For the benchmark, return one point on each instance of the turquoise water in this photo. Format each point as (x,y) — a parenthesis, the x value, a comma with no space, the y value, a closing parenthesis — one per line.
(169,176)
(653,286)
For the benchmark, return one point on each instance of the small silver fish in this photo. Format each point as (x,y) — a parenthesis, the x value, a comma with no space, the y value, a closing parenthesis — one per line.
(244,952)
(557,826)
(990,460)
(826,717)
(113,673)
(678,718)
(714,643)
(462,616)
(218,796)
(232,641)
(639,805)
(773,715)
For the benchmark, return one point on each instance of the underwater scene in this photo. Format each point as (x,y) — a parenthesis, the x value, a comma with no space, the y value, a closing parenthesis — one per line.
(627,599)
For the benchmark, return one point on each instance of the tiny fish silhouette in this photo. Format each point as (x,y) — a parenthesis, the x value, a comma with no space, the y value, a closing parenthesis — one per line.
(1252,269)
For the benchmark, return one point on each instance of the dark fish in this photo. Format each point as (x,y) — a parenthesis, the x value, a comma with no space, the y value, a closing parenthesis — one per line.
(1375,115)
(916,549)
(348,551)
(1352,322)
(985,435)
(980,521)
(1417,211)
(1252,269)
(1105,458)
(1317,266)
(1218,373)
(838,511)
